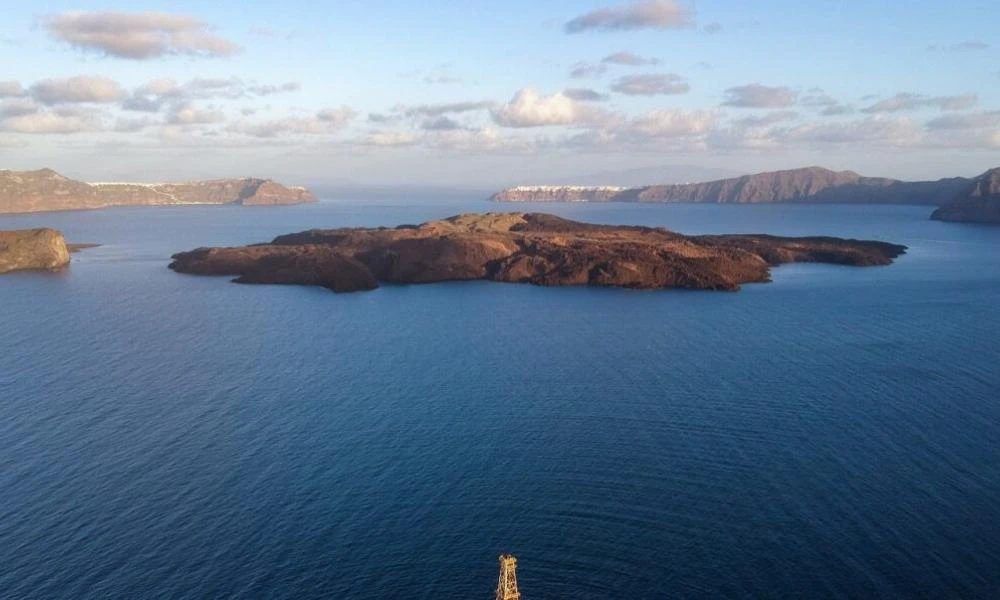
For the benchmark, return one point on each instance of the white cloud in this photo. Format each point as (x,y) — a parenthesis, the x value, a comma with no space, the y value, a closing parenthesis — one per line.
(582,70)
(770,118)
(672,123)
(17,107)
(434,110)
(80,89)
(985,119)
(650,14)
(872,130)
(336,117)
(651,85)
(390,139)
(152,95)
(969,46)
(629,59)
(137,36)
(906,101)
(10,89)
(528,108)
(325,122)
(50,122)
(585,95)
(755,95)
(185,114)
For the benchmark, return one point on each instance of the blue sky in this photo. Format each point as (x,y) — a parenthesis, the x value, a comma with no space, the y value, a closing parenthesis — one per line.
(481,94)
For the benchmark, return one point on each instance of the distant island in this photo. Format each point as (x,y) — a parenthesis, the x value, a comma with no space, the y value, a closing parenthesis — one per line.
(533,248)
(45,190)
(808,185)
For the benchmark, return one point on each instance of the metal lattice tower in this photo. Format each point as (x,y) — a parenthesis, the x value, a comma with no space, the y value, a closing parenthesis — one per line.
(507,585)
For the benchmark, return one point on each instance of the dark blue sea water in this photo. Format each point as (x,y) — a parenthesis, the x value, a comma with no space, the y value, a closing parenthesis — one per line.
(833,434)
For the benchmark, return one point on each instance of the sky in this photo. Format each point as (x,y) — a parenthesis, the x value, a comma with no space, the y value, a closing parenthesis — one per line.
(481,94)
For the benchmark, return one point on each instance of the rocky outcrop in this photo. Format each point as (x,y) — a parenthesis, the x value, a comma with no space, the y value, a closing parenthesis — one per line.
(531,248)
(32,249)
(809,185)
(46,190)
(978,202)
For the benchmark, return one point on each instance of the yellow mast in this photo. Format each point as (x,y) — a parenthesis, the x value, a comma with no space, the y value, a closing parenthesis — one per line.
(507,585)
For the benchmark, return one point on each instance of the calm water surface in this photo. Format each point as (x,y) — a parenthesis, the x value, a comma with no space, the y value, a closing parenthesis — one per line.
(832,434)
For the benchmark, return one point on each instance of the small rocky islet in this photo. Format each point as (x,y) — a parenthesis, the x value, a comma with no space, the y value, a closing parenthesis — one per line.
(33,250)
(535,248)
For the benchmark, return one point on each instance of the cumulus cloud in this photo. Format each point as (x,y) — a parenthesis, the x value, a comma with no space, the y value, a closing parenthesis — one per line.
(582,70)
(137,36)
(906,101)
(651,85)
(650,14)
(528,108)
(970,46)
(756,95)
(81,89)
(585,95)
(629,59)
(11,89)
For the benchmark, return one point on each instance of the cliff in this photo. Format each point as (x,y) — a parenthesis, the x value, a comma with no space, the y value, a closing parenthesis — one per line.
(978,202)
(46,190)
(808,185)
(32,249)
(534,248)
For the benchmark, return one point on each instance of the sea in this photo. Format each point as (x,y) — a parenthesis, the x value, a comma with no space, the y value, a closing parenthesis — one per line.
(832,434)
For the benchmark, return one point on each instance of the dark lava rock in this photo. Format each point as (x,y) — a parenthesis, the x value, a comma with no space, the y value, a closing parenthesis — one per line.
(534,248)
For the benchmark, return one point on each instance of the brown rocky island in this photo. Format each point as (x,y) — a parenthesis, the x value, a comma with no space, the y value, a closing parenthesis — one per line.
(534,248)
(33,250)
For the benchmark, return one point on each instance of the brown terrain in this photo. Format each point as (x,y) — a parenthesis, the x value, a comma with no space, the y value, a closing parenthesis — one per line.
(33,249)
(978,202)
(808,185)
(531,248)
(46,190)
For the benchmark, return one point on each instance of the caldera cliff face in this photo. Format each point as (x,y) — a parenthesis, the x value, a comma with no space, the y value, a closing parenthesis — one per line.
(531,248)
(32,249)
(978,202)
(45,190)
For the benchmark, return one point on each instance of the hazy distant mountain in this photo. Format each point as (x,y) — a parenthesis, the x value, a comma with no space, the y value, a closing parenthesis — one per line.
(977,202)
(46,190)
(808,185)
